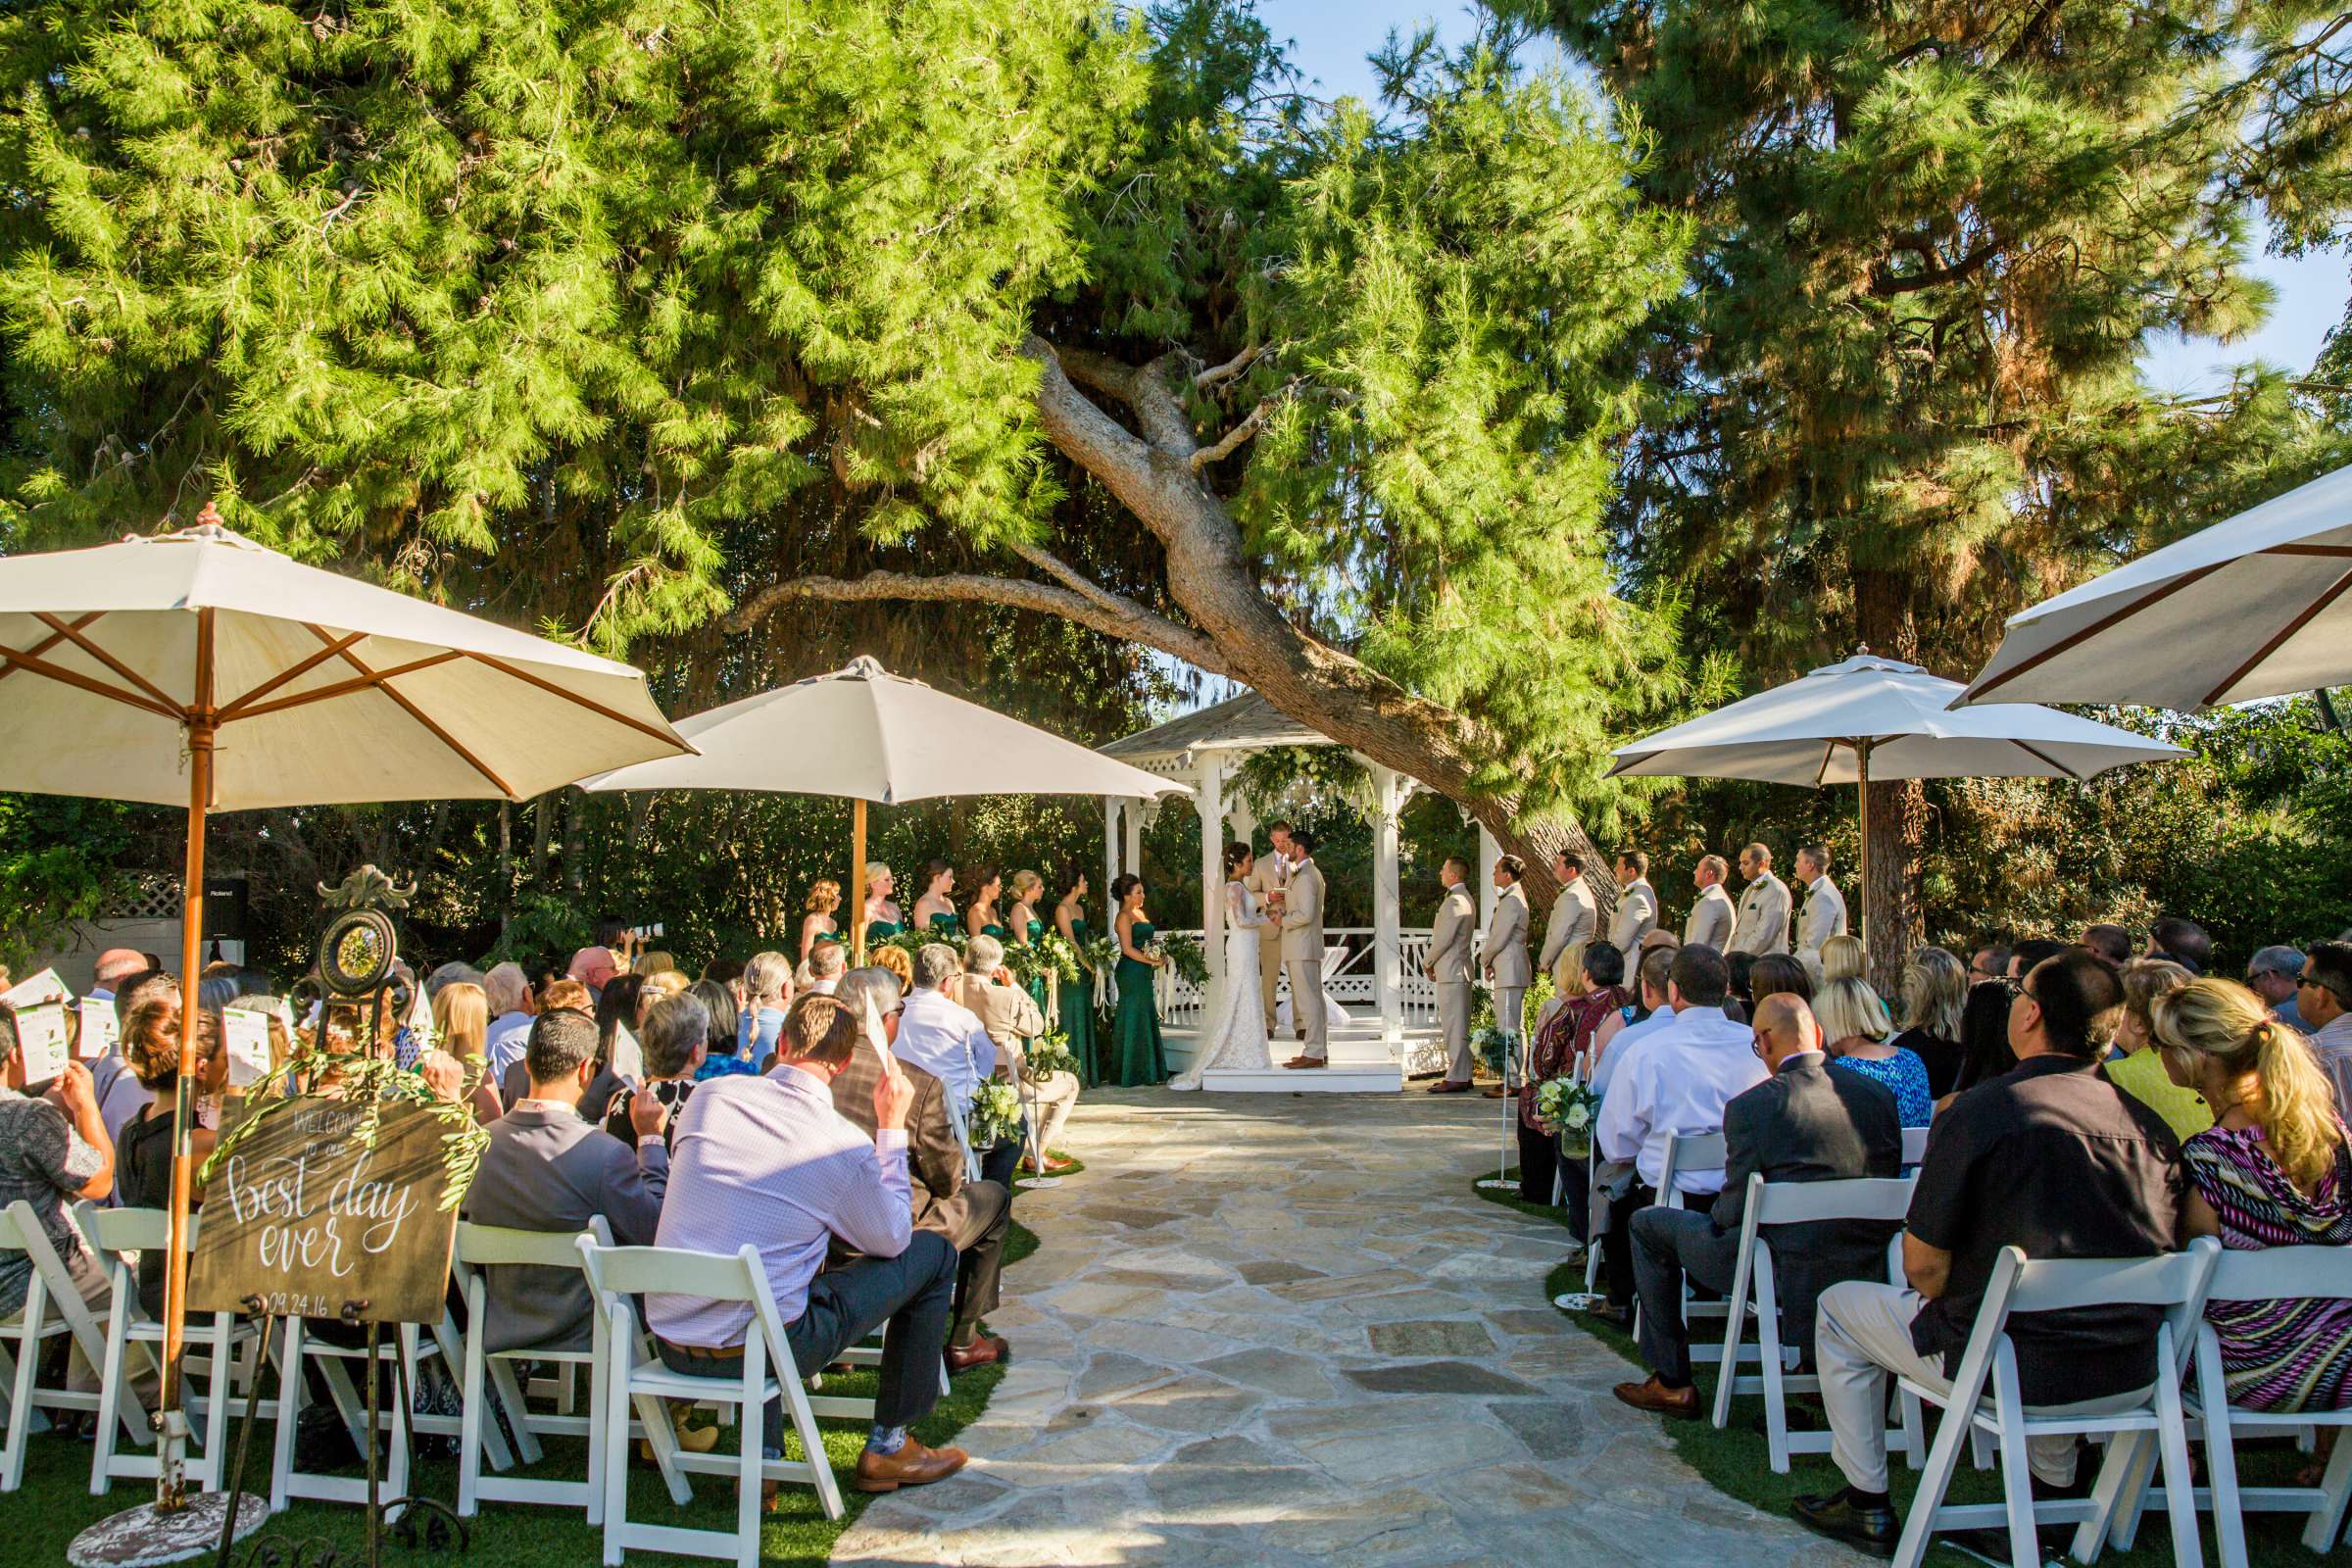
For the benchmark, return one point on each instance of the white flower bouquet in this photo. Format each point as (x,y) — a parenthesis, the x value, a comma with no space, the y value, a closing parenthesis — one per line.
(996,1113)
(1567,1107)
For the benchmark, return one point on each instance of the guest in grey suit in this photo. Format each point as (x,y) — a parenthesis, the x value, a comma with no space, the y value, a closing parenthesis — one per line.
(1802,1124)
(1574,918)
(1451,969)
(545,1169)
(1507,968)
(1303,953)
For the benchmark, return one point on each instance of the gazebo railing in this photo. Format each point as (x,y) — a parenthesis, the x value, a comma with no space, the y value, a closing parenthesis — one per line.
(1350,981)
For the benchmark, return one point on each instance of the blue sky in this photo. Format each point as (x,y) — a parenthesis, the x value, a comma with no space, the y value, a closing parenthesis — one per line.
(1333,36)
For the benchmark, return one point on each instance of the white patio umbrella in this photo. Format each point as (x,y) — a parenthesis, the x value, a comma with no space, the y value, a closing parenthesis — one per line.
(2254,607)
(202,669)
(1870,717)
(873,736)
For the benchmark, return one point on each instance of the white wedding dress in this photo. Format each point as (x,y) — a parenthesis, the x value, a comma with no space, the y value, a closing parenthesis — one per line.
(1237,1037)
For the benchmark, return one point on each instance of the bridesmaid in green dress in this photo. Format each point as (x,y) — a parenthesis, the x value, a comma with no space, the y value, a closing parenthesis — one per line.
(981,919)
(934,910)
(1078,996)
(818,924)
(881,910)
(1025,927)
(1136,1056)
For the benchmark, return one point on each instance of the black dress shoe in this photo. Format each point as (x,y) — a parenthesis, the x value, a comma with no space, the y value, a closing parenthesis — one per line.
(1873,1530)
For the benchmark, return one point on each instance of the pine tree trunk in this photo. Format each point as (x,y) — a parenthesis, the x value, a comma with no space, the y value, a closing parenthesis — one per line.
(506,866)
(542,834)
(1899,808)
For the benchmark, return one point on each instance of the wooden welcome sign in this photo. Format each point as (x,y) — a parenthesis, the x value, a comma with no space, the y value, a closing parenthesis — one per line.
(306,1217)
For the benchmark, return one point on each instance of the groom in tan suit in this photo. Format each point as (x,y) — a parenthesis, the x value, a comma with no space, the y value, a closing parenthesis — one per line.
(1302,952)
(1267,879)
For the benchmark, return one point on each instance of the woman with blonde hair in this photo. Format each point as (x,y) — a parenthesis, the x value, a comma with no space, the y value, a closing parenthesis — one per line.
(818,924)
(1856,1031)
(881,909)
(2141,1073)
(1844,958)
(461,1021)
(1935,995)
(2273,1170)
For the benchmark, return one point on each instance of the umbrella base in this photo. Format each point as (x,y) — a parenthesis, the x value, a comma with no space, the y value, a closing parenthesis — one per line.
(138,1536)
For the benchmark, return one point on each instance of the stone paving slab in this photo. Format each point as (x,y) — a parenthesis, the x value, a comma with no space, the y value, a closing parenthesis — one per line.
(1276,1332)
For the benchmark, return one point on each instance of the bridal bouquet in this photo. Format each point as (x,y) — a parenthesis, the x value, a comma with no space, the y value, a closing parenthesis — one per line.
(1184,958)
(996,1113)
(1567,1105)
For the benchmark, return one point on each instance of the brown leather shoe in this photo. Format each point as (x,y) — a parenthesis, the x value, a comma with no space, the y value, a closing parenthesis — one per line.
(1307,1062)
(1493,1092)
(1451,1086)
(1657,1397)
(911,1466)
(984,1350)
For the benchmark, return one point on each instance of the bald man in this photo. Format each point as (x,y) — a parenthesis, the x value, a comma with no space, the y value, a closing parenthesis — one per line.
(1801,1124)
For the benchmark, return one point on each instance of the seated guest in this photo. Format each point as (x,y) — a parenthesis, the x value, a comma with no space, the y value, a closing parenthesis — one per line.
(461,1021)
(143,1151)
(1013,1018)
(548,1168)
(898,961)
(718,1043)
(766,993)
(1935,994)
(124,1098)
(1776,974)
(1992,962)
(1742,1002)
(2140,1071)
(2274,1171)
(508,992)
(1677,1082)
(2109,941)
(1857,1033)
(975,1217)
(1644,1015)
(515,1085)
(2183,941)
(1984,1052)
(2051,1159)
(947,1040)
(2027,956)
(2325,998)
(1844,958)
(53,1150)
(828,961)
(1587,976)
(2275,974)
(592,966)
(677,1032)
(767,1161)
(1802,1124)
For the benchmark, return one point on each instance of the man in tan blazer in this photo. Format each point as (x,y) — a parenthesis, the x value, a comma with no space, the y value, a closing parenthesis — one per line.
(1764,904)
(1267,878)
(1012,1020)
(1450,966)
(1712,918)
(1824,915)
(1573,916)
(1506,966)
(1637,913)
(1302,952)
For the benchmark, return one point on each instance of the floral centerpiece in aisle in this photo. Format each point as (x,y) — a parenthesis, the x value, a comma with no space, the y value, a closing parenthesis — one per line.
(1492,1046)
(996,1113)
(1566,1107)
(1050,1053)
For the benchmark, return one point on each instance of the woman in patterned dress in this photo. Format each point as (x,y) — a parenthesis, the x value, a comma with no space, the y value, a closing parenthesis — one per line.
(1590,976)
(2273,1170)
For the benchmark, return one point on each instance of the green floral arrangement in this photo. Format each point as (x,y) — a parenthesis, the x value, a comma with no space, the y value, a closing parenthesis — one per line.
(1185,957)
(1098,955)
(1567,1106)
(996,1113)
(1491,1044)
(913,942)
(1047,956)
(1050,1053)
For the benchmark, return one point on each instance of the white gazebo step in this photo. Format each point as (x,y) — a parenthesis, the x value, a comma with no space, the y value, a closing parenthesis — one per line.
(1339,1078)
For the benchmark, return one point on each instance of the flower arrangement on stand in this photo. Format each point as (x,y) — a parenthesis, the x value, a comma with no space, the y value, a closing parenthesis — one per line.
(1050,1053)
(1492,1046)
(996,1113)
(1566,1105)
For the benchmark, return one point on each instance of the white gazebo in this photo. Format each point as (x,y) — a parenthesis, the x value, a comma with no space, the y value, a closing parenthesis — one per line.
(1376,975)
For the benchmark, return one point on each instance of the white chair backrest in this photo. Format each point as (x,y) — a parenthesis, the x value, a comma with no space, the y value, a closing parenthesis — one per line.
(482,1246)
(2053,1285)
(1690,1152)
(2282,1274)
(14,1220)
(1915,1145)
(1859,1198)
(131,1230)
(624,1271)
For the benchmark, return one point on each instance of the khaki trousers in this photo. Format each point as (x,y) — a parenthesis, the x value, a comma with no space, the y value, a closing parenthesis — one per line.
(1270,970)
(1453,1018)
(1055,1096)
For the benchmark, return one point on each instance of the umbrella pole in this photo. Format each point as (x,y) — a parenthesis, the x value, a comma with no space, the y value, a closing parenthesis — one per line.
(1862,777)
(171,1441)
(857,883)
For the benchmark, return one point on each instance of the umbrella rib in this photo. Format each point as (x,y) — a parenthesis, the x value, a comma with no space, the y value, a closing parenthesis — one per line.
(2031,750)
(70,678)
(380,682)
(73,634)
(549,686)
(2333,552)
(2068,641)
(2279,640)
(340,688)
(237,708)
(46,643)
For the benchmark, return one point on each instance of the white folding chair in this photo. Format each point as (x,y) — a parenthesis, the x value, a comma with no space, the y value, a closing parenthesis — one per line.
(1755,1288)
(2175,1282)
(617,1275)
(213,1350)
(53,1305)
(399,1344)
(484,1246)
(2273,1274)
(1915,1145)
(1692,1152)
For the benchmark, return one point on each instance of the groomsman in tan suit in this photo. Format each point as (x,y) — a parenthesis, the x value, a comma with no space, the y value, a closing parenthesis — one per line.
(1507,963)
(1712,918)
(1824,916)
(1451,969)
(1763,906)
(1267,878)
(1637,913)
(1302,952)
(1573,916)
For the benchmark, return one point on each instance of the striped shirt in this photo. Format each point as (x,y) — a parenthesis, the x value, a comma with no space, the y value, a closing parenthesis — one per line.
(767,1160)
(2293,1354)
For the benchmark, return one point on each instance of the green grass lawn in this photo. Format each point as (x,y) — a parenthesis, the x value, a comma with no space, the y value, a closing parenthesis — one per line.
(1738,1461)
(55,1502)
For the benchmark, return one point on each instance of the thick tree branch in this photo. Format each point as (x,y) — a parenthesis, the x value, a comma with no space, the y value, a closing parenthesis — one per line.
(1145,388)
(1885,285)
(1164,635)
(1208,379)
(1231,441)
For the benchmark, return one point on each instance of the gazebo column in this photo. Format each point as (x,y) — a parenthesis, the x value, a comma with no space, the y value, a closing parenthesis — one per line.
(1111,844)
(1211,803)
(1135,838)
(1387,934)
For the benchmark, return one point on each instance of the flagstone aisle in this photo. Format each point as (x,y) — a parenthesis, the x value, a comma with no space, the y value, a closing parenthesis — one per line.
(1277,1331)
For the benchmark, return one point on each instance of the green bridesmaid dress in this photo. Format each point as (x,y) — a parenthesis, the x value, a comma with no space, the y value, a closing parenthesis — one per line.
(947,920)
(1033,932)
(879,931)
(1078,1016)
(1136,1056)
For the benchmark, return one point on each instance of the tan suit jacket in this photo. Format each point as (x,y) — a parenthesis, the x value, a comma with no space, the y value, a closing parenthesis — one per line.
(1636,916)
(1573,919)
(1763,917)
(1302,917)
(1711,920)
(1265,879)
(1824,916)
(1009,1014)
(1449,956)
(944,1199)
(1506,938)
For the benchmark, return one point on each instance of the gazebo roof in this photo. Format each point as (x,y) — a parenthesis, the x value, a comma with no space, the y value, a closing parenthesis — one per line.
(1243,723)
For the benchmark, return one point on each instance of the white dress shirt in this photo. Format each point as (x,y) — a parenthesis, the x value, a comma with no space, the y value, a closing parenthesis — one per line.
(2331,1045)
(947,1041)
(770,1161)
(1679,1082)
(1619,1051)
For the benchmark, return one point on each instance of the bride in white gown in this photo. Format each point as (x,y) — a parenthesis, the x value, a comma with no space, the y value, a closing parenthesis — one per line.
(1237,1037)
